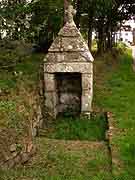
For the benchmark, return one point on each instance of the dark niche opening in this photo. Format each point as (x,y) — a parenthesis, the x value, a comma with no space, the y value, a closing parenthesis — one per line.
(69,92)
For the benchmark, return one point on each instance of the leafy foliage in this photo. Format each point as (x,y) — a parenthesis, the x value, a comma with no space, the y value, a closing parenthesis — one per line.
(39,21)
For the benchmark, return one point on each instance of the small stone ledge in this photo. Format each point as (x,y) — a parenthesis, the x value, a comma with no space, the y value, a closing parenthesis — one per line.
(68,67)
(113,131)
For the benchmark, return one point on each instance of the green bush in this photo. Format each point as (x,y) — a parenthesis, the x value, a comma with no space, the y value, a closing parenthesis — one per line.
(11,53)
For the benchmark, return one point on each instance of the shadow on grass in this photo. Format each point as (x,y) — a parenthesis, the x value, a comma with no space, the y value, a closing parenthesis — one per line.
(77,128)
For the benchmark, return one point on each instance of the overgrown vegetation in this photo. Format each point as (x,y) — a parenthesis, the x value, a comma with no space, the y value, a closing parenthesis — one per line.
(73,128)
(17,92)
(114,85)
(39,21)
(114,92)
(19,77)
(64,160)
(18,96)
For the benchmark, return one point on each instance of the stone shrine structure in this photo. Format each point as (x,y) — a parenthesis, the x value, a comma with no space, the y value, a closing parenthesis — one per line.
(68,72)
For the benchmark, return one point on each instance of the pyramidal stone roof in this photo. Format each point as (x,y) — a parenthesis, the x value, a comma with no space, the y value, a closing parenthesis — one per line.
(69,46)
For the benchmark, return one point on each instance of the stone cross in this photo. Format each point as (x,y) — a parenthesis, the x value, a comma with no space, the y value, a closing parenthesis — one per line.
(70,14)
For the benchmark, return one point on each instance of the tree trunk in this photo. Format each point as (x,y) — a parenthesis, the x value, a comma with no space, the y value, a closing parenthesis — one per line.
(109,40)
(90,23)
(109,36)
(100,39)
(90,37)
(78,13)
(66,3)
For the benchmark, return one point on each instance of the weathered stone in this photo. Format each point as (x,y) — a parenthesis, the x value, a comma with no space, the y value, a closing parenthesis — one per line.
(25,157)
(56,45)
(5,155)
(50,99)
(73,44)
(69,30)
(86,101)
(68,67)
(11,163)
(87,81)
(70,14)
(68,57)
(14,154)
(69,98)
(17,159)
(49,82)
(87,55)
(13,148)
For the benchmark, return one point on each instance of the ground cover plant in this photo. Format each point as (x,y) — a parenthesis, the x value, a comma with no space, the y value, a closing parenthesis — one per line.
(55,159)
(61,159)
(18,84)
(114,92)
(75,128)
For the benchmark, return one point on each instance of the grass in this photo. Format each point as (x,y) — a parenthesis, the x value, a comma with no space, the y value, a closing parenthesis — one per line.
(25,71)
(73,128)
(18,87)
(60,160)
(114,92)
(15,87)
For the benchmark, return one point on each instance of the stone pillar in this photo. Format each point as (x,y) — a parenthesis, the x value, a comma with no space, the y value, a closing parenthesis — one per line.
(87,93)
(66,4)
(50,94)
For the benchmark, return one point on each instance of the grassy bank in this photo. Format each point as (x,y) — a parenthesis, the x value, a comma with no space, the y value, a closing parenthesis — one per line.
(114,86)
(64,160)
(55,159)
(114,92)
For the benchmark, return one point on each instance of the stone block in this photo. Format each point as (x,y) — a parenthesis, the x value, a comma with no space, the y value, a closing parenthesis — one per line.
(49,80)
(69,31)
(87,81)
(69,57)
(68,67)
(69,98)
(56,45)
(13,148)
(73,44)
(86,101)
(11,163)
(50,100)
(25,157)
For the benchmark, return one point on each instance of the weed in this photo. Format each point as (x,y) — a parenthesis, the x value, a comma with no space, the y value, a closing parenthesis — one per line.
(71,128)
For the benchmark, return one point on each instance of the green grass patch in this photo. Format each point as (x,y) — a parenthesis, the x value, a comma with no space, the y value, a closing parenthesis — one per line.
(64,160)
(73,128)
(16,87)
(114,92)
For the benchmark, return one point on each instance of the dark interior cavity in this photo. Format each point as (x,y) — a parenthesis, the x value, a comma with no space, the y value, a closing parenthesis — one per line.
(69,91)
